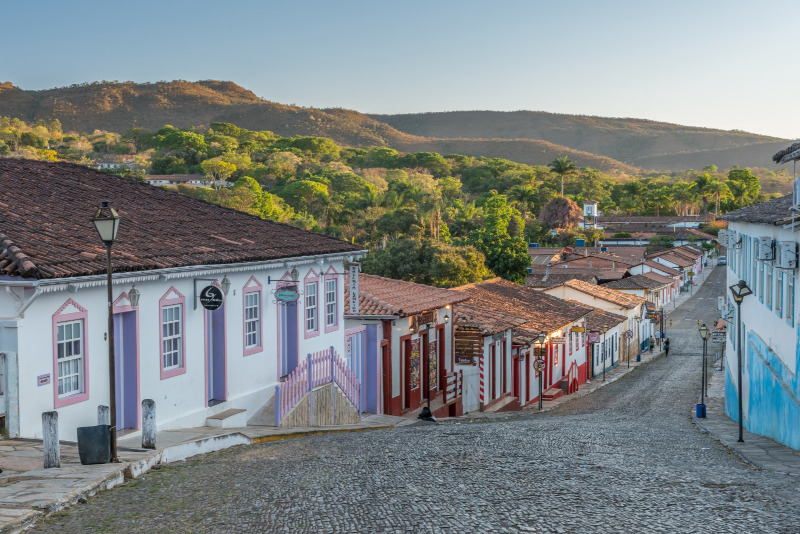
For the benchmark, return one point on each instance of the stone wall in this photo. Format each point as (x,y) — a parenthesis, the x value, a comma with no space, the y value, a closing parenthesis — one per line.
(331,408)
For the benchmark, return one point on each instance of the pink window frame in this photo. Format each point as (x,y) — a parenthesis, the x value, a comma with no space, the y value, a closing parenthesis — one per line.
(164,301)
(59,317)
(312,276)
(331,274)
(253,286)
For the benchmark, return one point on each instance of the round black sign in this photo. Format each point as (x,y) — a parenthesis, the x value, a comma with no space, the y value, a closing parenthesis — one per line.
(211,297)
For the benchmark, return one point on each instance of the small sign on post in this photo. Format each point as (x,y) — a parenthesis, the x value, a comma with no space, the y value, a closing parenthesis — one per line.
(538,364)
(354,300)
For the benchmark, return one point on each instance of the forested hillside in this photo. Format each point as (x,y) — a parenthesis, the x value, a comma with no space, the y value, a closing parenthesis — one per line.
(611,145)
(443,219)
(643,143)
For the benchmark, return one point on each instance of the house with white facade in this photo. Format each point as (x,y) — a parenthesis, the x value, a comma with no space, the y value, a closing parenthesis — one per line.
(509,371)
(603,355)
(659,292)
(277,289)
(631,307)
(762,242)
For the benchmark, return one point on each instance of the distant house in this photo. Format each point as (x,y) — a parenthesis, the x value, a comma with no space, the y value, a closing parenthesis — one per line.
(277,305)
(194,180)
(509,370)
(632,307)
(604,354)
(659,292)
(617,222)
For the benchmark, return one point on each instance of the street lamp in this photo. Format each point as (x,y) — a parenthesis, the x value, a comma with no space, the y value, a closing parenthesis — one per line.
(701,408)
(540,339)
(605,329)
(106,221)
(739,292)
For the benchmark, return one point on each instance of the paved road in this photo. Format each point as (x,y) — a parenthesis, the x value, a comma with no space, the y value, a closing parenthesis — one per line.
(624,459)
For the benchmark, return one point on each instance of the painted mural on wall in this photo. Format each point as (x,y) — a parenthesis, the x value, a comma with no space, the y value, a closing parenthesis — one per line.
(414,363)
(432,365)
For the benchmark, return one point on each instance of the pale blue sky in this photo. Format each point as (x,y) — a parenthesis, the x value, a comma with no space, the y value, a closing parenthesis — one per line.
(722,64)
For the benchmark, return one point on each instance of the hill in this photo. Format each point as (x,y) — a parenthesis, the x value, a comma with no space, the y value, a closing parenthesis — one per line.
(116,107)
(643,143)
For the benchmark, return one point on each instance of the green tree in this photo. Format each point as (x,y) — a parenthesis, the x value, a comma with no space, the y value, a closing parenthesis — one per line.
(560,212)
(217,171)
(506,256)
(563,167)
(744,186)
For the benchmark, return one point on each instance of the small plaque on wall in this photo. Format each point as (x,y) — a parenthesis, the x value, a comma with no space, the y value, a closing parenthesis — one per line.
(43,380)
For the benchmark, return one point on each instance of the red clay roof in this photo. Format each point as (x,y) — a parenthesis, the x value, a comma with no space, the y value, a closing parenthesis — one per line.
(638,281)
(677,259)
(543,312)
(659,278)
(385,296)
(46,231)
(661,267)
(602,292)
(488,320)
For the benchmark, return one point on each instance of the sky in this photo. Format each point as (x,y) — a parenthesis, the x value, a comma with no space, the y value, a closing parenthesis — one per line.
(717,64)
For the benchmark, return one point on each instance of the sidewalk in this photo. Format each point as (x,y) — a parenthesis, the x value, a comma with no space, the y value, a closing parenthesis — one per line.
(28,492)
(757,451)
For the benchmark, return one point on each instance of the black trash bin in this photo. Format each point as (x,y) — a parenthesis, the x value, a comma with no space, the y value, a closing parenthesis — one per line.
(94,444)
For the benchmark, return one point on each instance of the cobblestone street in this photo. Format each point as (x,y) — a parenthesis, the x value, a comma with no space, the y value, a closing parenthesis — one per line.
(626,458)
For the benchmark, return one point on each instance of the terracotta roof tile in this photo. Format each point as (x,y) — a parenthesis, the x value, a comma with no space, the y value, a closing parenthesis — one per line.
(557,278)
(489,320)
(543,312)
(637,281)
(677,259)
(46,230)
(774,211)
(661,267)
(659,278)
(385,296)
(603,292)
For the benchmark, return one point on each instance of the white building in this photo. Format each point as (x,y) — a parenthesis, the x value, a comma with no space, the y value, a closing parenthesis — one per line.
(283,301)
(762,243)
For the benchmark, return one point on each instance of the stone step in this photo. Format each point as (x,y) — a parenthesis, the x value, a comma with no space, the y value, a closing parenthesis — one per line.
(232,418)
(507,403)
(553,393)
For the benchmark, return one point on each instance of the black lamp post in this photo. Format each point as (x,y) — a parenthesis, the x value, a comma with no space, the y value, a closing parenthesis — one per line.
(701,409)
(605,329)
(739,292)
(540,339)
(106,221)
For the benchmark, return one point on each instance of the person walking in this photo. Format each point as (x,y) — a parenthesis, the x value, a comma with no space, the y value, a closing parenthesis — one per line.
(652,343)
(666,347)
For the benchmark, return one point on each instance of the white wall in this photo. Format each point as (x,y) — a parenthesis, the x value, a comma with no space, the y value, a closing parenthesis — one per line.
(181,399)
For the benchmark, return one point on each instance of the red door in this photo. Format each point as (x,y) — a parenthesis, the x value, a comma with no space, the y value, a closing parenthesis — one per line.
(528,377)
(492,367)
(407,373)
(515,375)
(503,365)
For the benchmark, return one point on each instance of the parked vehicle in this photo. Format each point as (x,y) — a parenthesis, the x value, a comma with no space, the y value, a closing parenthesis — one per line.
(723,260)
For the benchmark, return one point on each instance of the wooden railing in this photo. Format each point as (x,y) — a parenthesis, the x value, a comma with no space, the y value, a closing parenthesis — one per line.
(454,386)
(318,369)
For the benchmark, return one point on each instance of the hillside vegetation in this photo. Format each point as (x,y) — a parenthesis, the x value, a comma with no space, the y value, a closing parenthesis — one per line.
(117,107)
(643,143)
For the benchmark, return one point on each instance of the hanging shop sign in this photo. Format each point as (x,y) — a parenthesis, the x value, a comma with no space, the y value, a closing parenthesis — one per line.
(577,329)
(593,337)
(211,298)
(558,340)
(287,294)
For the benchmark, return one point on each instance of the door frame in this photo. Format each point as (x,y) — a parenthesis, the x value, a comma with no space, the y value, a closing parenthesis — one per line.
(206,315)
(123,305)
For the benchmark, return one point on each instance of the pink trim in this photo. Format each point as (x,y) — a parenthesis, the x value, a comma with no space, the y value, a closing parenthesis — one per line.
(58,317)
(124,309)
(254,288)
(224,347)
(164,301)
(309,279)
(331,274)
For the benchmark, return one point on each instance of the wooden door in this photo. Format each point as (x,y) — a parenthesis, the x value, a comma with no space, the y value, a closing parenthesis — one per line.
(515,375)
(425,386)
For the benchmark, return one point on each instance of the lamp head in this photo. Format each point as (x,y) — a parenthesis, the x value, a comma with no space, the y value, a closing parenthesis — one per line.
(226,284)
(106,222)
(740,291)
(605,328)
(704,331)
(133,296)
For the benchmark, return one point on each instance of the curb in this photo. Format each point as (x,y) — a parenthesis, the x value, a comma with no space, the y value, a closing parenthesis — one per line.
(741,456)
(134,469)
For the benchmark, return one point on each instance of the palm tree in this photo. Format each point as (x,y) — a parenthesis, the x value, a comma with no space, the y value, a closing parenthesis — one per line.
(563,167)
(523,196)
(629,204)
(739,191)
(685,198)
(717,190)
(659,197)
